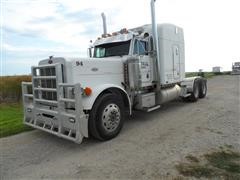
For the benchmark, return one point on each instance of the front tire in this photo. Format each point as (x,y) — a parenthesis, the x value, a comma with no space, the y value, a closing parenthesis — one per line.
(106,117)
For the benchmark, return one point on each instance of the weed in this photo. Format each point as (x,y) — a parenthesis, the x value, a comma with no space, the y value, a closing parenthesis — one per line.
(228,146)
(192,158)
(226,160)
(223,163)
(195,170)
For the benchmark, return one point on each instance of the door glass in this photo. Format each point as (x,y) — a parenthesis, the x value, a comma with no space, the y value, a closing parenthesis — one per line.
(140,47)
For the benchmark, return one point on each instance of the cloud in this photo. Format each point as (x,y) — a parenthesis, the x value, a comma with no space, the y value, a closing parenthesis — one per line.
(23,57)
(8,47)
(42,20)
(70,22)
(31,54)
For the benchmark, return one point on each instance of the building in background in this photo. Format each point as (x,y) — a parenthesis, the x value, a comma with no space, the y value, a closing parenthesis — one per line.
(217,69)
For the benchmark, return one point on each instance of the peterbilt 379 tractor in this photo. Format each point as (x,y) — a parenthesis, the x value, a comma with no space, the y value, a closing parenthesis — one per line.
(131,69)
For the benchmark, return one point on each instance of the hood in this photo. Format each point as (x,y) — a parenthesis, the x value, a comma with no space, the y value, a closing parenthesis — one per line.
(94,66)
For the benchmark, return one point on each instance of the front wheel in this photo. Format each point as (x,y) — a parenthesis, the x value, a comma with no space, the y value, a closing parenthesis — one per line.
(106,117)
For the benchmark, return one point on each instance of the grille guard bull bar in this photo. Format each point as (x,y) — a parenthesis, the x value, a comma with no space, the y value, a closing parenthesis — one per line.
(55,117)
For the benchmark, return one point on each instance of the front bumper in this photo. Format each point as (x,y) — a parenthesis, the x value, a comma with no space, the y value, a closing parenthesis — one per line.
(63,117)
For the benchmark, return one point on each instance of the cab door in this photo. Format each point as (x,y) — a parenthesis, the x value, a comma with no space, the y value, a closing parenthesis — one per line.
(145,62)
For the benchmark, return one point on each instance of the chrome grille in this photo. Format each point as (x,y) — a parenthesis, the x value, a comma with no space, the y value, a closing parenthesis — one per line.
(45,81)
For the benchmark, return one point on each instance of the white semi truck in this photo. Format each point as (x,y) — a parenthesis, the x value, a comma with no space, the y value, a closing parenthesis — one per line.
(135,69)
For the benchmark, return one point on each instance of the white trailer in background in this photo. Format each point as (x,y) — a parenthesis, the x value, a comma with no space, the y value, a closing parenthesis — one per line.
(236,68)
(135,69)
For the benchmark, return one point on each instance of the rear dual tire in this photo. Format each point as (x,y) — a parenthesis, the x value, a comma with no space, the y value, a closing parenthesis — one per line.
(195,94)
(203,88)
(199,90)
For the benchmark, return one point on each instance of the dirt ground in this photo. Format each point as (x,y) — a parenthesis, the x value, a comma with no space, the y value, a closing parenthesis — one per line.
(149,146)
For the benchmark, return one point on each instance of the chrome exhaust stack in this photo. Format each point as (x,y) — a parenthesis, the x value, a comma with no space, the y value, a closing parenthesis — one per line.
(155,40)
(104,24)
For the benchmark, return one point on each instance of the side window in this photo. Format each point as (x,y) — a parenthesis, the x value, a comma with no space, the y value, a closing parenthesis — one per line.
(140,47)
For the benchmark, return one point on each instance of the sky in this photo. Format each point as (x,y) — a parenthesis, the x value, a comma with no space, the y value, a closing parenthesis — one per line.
(32,30)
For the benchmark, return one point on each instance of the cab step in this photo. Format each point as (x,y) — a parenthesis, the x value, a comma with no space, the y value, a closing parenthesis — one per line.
(150,109)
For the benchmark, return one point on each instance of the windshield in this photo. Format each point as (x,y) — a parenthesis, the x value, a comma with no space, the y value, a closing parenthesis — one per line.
(112,49)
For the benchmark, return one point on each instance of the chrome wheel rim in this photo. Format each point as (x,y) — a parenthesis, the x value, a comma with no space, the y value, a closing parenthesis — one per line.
(111,117)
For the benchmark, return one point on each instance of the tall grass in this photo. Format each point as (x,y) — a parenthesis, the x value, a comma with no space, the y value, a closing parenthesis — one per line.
(10,88)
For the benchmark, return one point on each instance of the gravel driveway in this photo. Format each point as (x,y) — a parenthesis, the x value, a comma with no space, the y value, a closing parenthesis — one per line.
(149,146)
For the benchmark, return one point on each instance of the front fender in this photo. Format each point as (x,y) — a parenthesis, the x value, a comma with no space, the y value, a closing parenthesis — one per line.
(189,82)
(88,101)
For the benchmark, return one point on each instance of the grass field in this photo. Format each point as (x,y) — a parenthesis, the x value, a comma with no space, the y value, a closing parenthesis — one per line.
(11,119)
